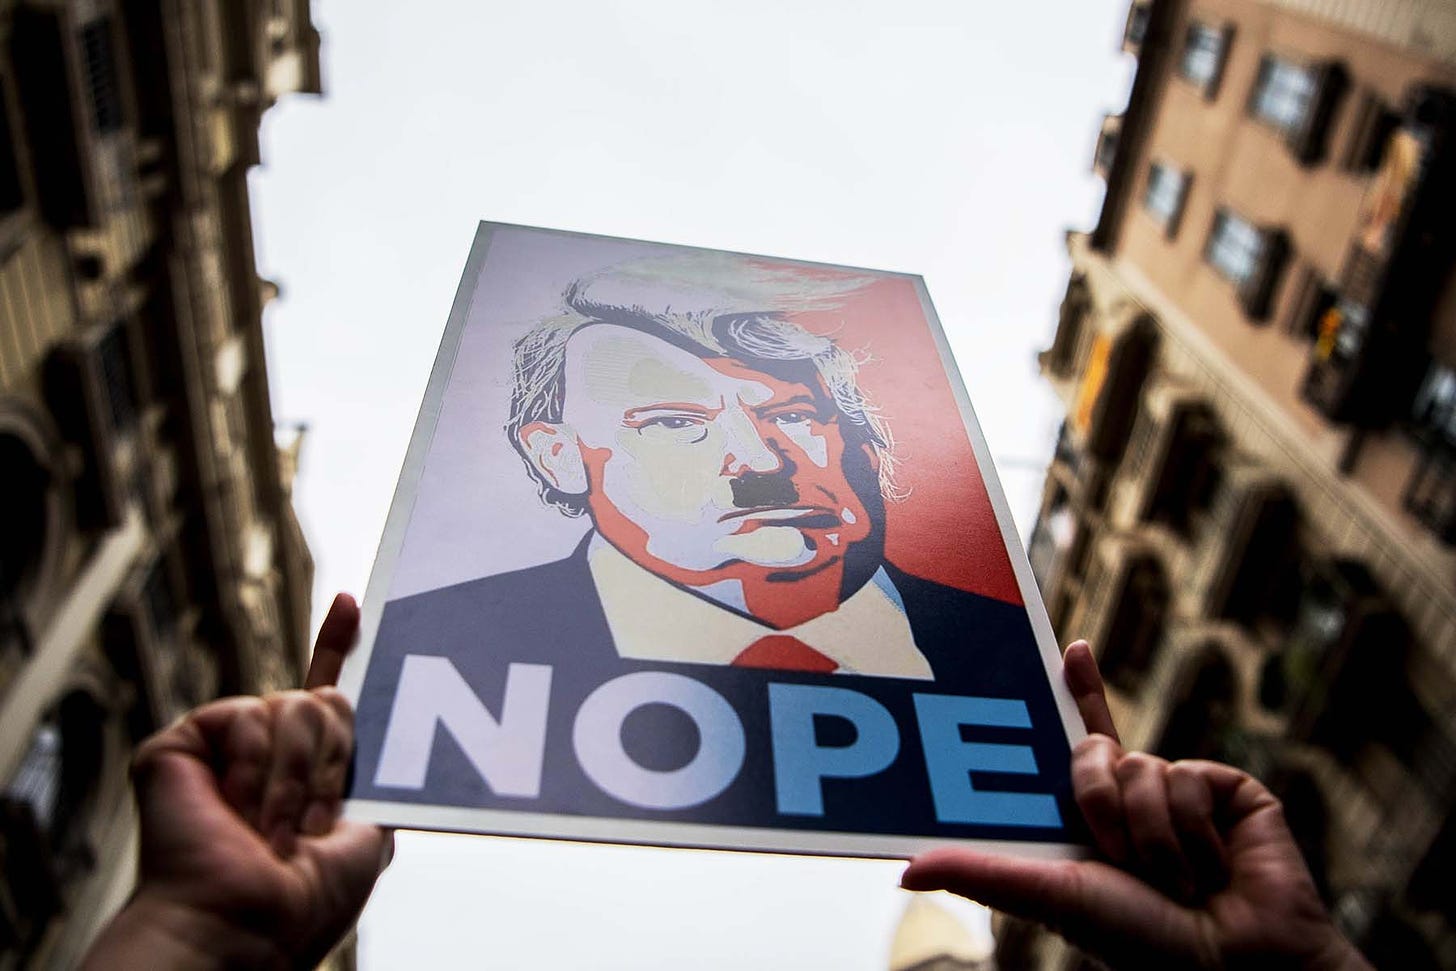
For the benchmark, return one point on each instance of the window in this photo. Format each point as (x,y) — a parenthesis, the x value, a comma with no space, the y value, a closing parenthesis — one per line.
(106,114)
(1203,54)
(12,196)
(161,607)
(1299,101)
(37,783)
(1203,711)
(23,544)
(1055,531)
(1135,629)
(1245,544)
(1430,493)
(1137,26)
(1314,298)
(1434,411)
(1374,124)
(1235,247)
(1106,403)
(1106,152)
(1164,195)
(59,775)
(1284,94)
(117,373)
(1076,306)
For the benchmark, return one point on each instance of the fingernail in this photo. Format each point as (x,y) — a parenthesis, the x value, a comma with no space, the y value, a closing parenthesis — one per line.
(386,852)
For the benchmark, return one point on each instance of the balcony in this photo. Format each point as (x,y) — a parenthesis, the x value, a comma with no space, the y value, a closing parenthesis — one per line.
(53,806)
(1340,680)
(1136,29)
(78,110)
(1126,602)
(143,637)
(1111,384)
(1244,547)
(1337,597)
(1108,138)
(92,391)
(1069,347)
(1430,492)
(1203,711)
(1052,539)
(1170,469)
(1370,351)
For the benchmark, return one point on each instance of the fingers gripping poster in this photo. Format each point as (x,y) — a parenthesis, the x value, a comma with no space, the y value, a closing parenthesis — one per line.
(704,549)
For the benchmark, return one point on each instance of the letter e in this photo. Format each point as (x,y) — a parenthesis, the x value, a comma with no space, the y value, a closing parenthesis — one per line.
(950,762)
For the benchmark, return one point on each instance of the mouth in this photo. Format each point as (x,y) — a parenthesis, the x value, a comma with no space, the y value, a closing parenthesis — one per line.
(802,517)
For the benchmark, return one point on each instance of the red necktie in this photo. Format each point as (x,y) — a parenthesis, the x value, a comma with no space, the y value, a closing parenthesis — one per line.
(784,653)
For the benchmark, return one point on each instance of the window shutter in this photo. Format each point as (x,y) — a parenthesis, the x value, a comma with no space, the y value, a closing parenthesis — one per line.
(1256,295)
(1308,141)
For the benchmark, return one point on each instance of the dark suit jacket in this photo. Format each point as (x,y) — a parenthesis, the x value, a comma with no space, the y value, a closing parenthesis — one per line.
(550,614)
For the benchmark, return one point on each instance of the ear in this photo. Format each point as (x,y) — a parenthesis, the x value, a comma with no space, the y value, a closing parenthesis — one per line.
(553,451)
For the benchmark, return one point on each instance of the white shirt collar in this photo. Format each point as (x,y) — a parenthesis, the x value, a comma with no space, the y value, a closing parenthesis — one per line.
(654,620)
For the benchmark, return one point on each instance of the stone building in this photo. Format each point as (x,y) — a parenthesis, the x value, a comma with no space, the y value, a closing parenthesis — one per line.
(149,555)
(1251,510)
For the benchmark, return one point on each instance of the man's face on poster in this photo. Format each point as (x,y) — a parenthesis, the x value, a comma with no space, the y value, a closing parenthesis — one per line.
(703,469)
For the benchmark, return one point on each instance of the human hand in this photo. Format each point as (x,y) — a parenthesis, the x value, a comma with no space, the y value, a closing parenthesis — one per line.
(1200,870)
(244,860)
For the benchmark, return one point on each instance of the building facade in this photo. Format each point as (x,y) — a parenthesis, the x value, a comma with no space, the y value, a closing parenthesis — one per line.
(1251,511)
(149,555)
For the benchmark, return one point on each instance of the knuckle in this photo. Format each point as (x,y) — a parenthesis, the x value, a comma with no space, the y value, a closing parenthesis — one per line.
(1137,764)
(335,700)
(330,781)
(1098,795)
(286,795)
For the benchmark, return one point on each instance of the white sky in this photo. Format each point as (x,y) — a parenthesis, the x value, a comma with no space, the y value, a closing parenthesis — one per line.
(951,139)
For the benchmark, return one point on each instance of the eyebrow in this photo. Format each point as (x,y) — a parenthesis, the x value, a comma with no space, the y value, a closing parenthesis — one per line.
(671,406)
(798,399)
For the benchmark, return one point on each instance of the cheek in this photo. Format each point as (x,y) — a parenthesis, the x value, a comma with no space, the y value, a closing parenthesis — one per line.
(813,446)
(835,478)
(661,479)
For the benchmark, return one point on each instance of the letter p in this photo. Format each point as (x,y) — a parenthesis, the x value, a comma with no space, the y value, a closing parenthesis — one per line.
(800,762)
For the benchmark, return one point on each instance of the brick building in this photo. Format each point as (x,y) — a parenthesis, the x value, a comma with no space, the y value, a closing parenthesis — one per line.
(1251,511)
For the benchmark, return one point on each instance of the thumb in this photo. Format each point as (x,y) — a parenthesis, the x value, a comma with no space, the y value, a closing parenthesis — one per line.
(1099,908)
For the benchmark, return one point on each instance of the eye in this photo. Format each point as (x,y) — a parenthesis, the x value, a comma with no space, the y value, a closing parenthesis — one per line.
(670,421)
(793,417)
(673,429)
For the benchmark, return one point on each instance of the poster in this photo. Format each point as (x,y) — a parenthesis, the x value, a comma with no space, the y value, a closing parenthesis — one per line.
(704,549)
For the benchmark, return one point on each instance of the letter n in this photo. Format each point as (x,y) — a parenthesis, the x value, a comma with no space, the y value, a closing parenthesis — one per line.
(507,753)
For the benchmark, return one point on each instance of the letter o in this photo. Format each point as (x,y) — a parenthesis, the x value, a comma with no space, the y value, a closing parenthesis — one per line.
(597,738)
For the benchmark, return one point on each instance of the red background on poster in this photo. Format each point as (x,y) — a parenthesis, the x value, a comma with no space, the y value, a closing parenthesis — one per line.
(945,529)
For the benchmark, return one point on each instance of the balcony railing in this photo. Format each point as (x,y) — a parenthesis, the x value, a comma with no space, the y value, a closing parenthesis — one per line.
(1370,352)
(77,109)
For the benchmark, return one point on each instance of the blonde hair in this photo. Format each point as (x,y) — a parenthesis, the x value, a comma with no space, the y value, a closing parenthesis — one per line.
(765,341)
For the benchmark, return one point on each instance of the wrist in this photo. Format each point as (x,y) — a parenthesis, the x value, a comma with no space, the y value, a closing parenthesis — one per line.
(152,931)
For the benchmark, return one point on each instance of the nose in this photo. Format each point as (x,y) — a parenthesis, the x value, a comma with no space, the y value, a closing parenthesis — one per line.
(744,449)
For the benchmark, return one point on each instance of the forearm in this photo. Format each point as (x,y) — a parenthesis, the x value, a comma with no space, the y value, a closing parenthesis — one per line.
(159,934)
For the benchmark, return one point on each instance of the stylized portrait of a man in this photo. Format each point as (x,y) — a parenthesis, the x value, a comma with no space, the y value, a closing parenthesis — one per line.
(657,556)
(734,474)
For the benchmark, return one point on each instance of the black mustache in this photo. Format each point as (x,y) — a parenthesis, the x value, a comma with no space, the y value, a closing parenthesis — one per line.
(752,489)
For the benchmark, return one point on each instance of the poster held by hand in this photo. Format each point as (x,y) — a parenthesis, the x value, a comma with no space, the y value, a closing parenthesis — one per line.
(696,548)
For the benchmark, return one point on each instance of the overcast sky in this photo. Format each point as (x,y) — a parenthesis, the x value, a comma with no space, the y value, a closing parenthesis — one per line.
(950,139)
